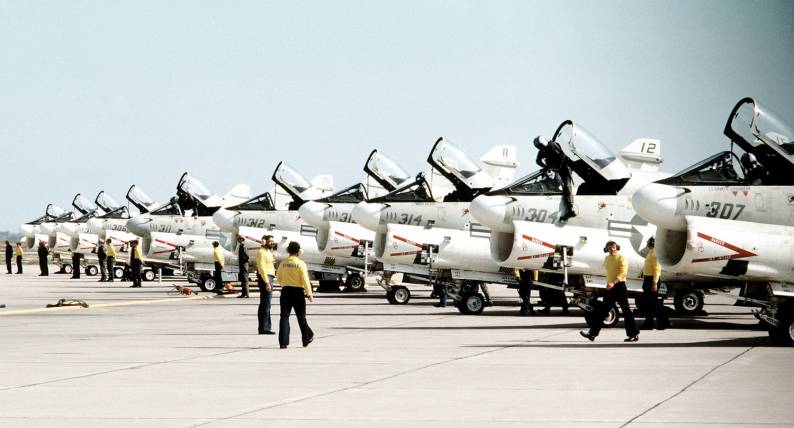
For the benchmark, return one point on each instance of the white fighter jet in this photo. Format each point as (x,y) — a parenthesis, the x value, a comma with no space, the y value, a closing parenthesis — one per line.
(733,218)
(32,232)
(422,233)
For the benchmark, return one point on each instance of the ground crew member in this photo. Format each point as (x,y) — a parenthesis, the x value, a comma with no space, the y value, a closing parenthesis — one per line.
(76,265)
(102,255)
(217,275)
(616,267)
(242,259)
(265,277)
(9,256)
(551,156)
(136,263)
(525,280)
(20,253)
(294,280)
(111,260)
(43,253)
(654,308)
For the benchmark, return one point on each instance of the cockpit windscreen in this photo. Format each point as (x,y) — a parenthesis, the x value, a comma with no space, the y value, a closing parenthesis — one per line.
(756,125)
(290,179)
(543,182)
(194,187)
(722,169)
(106,202)
(453,160)
(171,208)
(383,169)
(82,204)
(414,191)
(263,202)
(353,194)
(592,151)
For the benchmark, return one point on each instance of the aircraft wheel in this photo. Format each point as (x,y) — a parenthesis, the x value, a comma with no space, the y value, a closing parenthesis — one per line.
(149,275)
(67,268)
(208,285)
(401,295)
(91,270)
(612,316)
(355,282)
(689,302)
(118,272)
(472,304)
(783,335)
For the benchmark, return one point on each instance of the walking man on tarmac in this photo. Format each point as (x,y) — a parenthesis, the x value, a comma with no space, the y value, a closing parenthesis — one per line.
(654,308)
(551,156)
(525,280)
(20,253)
(76,265)
(111,260)
(616,267)
(217,275)
(9,256)
(242,258)
(43,253)
(295,285)
(265,276)
(136,263)
(102,255)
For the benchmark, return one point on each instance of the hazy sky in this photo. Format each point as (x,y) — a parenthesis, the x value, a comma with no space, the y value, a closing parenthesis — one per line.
(101,95)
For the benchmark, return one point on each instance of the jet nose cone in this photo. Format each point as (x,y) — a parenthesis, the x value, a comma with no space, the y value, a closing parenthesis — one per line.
(492,212)
(313,213)
(224,219)
(368,215)
(69,229)
(138,225)
(658,204)
(94,226)
(47,228)
(27,230)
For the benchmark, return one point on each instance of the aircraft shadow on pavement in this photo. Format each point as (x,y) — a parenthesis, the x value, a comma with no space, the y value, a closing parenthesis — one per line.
(741,342)
(470,327)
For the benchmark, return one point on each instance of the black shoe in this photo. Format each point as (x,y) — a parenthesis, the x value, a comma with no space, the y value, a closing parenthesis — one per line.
(439,305)
(587,335)
(243,296)
(268,332)
(570,213)
(306,343)
(634,338)
(662,327)
(545,311)
(283,346)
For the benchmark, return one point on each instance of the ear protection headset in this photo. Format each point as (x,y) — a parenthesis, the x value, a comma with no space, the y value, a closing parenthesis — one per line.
(606,247)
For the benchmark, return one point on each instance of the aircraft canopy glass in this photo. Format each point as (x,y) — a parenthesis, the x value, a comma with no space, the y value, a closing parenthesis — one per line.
(758,126)
(453,160)
(54,211)
(106,202)
(138,197)
(82,204)
(591,151)
(290,179)
(194,187)
(722,169)
(171,208)
(263,202)
(414,191)
(353,194)
(543,182)
(120,212)
(385,171)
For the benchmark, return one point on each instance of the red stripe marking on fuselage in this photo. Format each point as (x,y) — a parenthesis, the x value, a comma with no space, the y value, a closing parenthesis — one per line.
(347,237)
(258,241)
(406,253)
(740,252)
(407,241)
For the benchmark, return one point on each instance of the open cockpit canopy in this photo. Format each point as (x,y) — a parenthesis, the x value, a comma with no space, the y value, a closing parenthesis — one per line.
(465,175)
(385,171)
(82,204)
(263,202)
(349,195)
(417,190)
(194,195)
(543,182)
(171,208)
(761,132)
(140,199)
(106,202)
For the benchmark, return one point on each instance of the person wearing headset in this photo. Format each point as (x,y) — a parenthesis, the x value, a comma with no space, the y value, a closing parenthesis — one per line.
(616,267)
(654,308)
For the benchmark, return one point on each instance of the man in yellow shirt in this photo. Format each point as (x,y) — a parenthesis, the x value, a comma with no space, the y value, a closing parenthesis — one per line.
(294,280)
(136,263)
(19,253)
(654,308)
(111,260)
(265,276)
(616,267)
(217,256)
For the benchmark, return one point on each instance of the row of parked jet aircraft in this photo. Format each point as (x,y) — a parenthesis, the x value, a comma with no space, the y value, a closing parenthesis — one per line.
(726,221)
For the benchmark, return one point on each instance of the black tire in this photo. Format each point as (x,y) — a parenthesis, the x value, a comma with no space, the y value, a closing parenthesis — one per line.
(611,320)
(355,282)
(689,302)
(783,334)
(118,272)
(208,284)
(67,268)
(401,294)
(472,304)
(148,275)
(91,270)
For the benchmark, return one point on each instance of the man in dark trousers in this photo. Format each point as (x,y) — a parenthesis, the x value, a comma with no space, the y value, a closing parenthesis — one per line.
(76,265)
(295,286)
(617,268)
(265,279)
(525,280)
(654,308)
(9,256)
(102,255)
(136,263)
(551,156)
(43,253)
(217,275)
(20,253)
(111,260)
(242,258)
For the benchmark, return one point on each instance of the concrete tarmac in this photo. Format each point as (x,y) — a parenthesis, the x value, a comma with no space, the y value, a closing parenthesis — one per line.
(142,357)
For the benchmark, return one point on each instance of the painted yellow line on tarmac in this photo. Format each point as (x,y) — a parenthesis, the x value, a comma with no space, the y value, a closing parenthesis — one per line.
(102,305)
